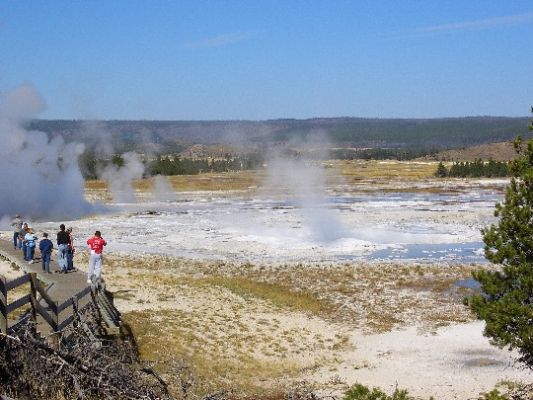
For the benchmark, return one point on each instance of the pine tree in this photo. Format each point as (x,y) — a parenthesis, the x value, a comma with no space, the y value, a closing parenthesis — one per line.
(442,171)
(506,302)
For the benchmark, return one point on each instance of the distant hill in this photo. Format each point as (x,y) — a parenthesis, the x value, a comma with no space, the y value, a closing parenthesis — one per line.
(177,136)
(502,151)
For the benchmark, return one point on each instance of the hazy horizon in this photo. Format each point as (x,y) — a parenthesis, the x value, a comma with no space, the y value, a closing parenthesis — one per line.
(284,119)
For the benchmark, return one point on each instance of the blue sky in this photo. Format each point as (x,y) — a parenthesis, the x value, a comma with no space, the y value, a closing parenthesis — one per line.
(203,60)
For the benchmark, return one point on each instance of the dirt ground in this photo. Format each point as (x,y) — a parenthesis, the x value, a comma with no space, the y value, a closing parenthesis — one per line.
(258,329)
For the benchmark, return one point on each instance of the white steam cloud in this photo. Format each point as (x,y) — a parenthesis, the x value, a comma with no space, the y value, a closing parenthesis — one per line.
(162,189)
(305,181)
(121,178)
(40,177)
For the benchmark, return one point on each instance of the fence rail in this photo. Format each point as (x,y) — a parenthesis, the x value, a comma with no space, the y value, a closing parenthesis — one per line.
(50,313)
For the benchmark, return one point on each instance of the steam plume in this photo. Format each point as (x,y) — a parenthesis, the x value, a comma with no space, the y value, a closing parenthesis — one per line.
(40,177)
(305,180)
(163,190)
(120,179)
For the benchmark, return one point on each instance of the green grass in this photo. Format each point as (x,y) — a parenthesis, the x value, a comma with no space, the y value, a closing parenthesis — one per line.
(277,295)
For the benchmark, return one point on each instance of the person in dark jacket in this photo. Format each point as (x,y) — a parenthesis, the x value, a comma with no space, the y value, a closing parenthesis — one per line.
(71,250)
(46,246)
(62,249)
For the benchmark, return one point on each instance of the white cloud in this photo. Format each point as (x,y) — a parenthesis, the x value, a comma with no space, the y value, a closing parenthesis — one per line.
(464,26)
(480,24)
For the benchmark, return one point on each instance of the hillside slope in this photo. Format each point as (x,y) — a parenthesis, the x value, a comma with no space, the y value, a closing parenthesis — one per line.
(501,151)
(175,136)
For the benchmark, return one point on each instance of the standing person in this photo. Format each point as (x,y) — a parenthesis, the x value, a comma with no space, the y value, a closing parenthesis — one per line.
(22,234)
(17,227)
(62,249)
(70,251)
(46,246)
(30,245)
(96,246)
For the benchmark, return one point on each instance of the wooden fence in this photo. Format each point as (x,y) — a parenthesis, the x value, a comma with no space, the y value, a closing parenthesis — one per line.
(50,313)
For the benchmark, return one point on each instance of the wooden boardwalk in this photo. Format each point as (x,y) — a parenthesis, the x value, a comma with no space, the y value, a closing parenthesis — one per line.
(61,286)
(63,294)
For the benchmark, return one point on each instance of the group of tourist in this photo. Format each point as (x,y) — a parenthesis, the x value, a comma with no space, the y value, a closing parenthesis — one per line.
(24,239)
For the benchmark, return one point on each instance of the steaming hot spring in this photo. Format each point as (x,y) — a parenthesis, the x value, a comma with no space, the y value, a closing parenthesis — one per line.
(300,220)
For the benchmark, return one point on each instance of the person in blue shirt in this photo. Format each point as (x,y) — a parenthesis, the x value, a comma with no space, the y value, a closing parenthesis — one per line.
(46,246)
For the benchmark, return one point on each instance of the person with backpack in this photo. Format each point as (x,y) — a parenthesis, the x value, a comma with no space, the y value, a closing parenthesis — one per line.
(96,246)
(46,246)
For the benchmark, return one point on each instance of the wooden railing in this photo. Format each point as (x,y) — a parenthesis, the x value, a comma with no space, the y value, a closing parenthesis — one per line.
(50,313)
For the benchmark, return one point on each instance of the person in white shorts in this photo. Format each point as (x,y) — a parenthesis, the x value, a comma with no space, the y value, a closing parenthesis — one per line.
(96,246)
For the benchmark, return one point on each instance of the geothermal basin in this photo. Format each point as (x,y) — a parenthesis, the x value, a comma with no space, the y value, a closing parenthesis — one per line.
(432,220)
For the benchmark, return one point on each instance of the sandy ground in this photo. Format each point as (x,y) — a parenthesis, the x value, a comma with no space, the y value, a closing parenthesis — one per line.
(7,271)
(454,362)
(444,358)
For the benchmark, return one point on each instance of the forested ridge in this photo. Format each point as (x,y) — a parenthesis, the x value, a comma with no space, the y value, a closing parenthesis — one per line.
(423,135)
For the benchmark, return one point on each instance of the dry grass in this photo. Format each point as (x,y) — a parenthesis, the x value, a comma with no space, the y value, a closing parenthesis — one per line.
(339,172)
(227,340)
(358,170)
(169,337)
(374,298)
(253,327)
(285,298)
(228,181)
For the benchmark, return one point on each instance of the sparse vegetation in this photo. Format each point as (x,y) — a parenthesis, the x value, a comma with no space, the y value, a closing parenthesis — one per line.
(231,323)
(361,392)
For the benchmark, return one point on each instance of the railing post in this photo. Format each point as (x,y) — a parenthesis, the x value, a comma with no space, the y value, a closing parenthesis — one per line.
(75,310)
(54,317)
(3,305)
(33,293)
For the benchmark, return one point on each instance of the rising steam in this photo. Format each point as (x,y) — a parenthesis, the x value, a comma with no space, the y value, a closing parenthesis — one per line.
(162,189)
(40,177)
(121,179)
(305,181)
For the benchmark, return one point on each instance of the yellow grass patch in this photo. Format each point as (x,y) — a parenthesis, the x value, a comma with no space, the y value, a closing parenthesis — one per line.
(357,170)
(338,172)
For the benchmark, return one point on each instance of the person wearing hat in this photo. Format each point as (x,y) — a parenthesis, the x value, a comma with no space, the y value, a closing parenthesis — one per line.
(16,223)
(46,246)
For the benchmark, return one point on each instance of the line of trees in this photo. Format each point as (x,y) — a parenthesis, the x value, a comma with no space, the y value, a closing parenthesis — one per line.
(378,153)
(475,169)
(188,166)
(90,164)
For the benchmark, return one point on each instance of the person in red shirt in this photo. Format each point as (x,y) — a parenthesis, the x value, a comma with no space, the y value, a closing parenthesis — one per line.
(96,246)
